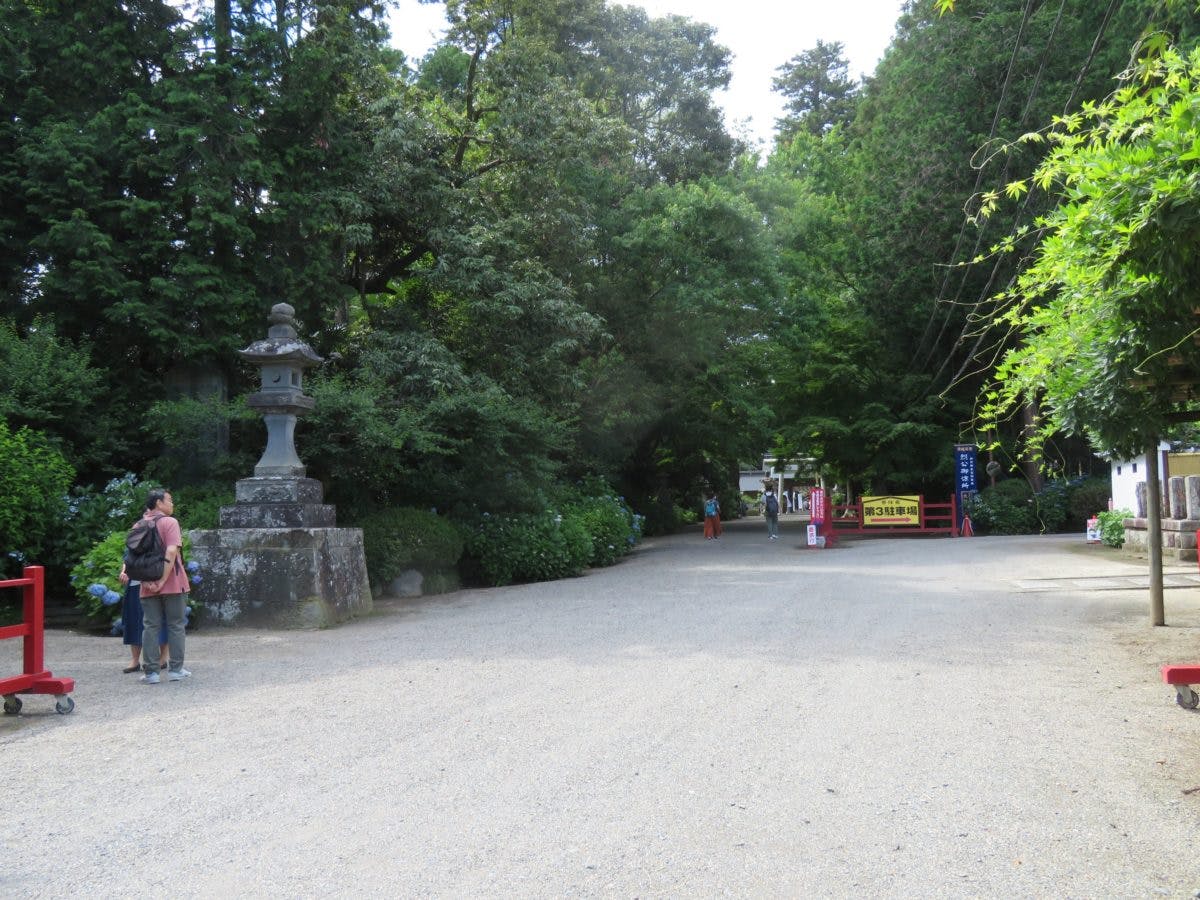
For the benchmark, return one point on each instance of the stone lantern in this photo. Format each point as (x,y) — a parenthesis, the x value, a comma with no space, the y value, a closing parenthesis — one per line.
(279,496)
(282,357)
(278,558)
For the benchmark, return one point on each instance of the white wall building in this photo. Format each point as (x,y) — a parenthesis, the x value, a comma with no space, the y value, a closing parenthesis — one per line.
(1127,473)
(750,481)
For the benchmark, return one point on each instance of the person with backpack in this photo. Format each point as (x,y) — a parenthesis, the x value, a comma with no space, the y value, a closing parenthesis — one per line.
(154,556)
(771,511)
(712,517)
(134,624)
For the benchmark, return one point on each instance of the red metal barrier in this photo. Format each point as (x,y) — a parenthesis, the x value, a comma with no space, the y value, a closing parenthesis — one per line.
(934,518)
(35,679)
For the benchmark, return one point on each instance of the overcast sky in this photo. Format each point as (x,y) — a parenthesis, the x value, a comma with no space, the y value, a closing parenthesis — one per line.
(762,34)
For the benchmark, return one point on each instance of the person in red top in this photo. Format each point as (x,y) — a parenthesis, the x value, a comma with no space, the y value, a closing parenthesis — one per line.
(167,597)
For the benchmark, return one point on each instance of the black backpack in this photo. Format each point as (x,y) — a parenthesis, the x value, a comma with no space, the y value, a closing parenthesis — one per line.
(145,554)
(772,506)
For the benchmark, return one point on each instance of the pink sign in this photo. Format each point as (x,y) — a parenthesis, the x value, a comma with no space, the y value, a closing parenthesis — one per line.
(817,506)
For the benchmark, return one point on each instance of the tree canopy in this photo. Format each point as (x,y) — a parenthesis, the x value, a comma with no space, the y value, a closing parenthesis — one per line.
(1108,312)
(537,254)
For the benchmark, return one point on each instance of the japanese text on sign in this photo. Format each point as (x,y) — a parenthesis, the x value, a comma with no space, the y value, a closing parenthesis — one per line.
(817,506)
(964,476)
(903,510)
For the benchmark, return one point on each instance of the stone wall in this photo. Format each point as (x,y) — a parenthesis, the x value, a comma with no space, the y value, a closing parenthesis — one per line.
(1181,520)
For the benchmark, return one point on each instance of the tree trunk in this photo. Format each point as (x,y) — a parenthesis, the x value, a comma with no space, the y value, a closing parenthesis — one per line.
(223,28)
(1154,534)
(1031,465)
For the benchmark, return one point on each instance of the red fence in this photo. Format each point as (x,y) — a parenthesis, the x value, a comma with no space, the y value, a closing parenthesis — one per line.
(933,518)
(35,679)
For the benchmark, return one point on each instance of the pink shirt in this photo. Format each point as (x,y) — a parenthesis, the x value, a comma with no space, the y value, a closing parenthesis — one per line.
(177,581)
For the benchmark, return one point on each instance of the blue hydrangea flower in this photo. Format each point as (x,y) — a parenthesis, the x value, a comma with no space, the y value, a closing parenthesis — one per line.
(193,566)
(196,579)
(97,590)
(111,598)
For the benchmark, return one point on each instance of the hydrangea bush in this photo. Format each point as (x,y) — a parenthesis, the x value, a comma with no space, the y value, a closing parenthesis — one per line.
(589,525)
(98,588)
(613,527)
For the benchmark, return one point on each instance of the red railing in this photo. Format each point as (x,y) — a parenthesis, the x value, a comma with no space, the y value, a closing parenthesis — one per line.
(35,679)
(934,518)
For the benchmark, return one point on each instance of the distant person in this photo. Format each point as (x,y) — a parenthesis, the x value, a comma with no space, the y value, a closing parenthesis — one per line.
(712,517)
(771,511)
(164,600)
(133,623)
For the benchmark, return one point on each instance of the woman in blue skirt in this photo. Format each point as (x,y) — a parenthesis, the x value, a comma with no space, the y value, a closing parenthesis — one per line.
(131,621)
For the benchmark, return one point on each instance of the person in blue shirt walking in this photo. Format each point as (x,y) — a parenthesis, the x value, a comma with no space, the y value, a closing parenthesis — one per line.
(712,517)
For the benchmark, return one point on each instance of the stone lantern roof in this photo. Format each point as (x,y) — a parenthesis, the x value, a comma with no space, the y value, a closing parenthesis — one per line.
(282,344)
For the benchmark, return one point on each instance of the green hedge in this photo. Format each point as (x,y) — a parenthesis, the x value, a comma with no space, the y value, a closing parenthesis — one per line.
(1011,507)
(1006,508)
(610,523)
(529,547)
(403,538)
(1088,498)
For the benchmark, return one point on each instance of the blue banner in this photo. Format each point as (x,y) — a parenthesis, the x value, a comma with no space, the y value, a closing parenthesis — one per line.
(965,485)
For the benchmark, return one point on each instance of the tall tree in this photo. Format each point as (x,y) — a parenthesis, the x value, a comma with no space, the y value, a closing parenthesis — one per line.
(818,91)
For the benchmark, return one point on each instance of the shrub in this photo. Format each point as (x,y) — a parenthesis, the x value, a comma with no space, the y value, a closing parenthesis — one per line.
(1112,526)
(34,477)
(1088,497)
(200,505)
(612,526)
(47,381)
(1007,508)
(529,547)
(92,514)
(95,582)
(408,538)
(1050,506)
(440,583)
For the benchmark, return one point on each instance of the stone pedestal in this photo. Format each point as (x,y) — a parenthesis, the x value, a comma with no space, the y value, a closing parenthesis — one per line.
(1180,521)
(282,578)
(1178,538)
(278,560)
(266,501)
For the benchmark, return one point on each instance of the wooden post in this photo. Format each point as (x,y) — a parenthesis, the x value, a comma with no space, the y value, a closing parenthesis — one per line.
(1154,534)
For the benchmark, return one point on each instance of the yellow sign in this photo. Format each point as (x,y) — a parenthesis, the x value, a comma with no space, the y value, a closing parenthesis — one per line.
(891,511)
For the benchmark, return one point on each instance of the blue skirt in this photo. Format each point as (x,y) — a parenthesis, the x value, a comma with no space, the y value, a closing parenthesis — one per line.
(131,617)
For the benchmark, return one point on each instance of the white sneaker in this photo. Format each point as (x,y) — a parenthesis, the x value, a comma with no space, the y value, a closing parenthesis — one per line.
(178,676)
(149,678)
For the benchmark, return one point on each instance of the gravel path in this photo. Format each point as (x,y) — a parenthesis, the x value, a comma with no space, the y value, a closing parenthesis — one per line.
(893,718)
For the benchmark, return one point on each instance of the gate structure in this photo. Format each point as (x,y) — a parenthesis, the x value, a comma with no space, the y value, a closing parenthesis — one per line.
(35,679)
(896,515)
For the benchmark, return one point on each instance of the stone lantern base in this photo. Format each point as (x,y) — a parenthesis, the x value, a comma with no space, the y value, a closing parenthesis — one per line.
(282,578)
(277,561)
